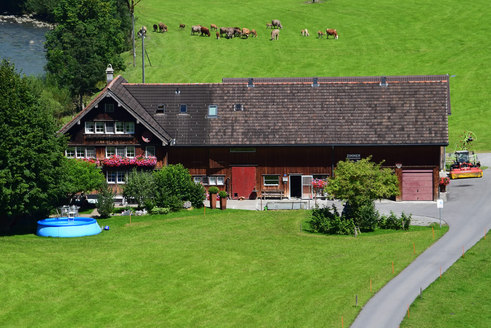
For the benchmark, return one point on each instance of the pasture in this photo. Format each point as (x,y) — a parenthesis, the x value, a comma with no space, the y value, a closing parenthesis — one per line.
(224,269)
(382,37)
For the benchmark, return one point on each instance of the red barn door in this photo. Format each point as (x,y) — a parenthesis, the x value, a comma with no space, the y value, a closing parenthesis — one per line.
(243,181)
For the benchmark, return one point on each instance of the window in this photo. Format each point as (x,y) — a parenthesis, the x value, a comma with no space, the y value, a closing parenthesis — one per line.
(90,152)
(129,127)
(119,127)
(150,151)
(238,107)
(111,177)
(220,181)
(120,177)
(212,111)
(89,127)
(212,181)
(70,152)
(271,180)
(121,151)
(109,108)
(183,108)
(161,109)
(110,151)
(80,152)
(99,127)
(109,127)
(198,179)
(130,151)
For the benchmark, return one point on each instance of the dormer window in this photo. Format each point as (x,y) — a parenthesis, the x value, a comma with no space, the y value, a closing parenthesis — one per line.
(212,111)
(238,107)
(183,108)
(161,109)
(109,108)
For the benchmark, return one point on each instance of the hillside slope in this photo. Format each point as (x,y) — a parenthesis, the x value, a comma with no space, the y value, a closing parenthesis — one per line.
(382,37)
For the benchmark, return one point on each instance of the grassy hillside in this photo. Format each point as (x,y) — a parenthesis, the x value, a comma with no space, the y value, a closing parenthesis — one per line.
(380,37)
(226,269)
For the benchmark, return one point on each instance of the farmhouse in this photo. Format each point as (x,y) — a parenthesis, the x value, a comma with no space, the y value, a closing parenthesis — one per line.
(258,136)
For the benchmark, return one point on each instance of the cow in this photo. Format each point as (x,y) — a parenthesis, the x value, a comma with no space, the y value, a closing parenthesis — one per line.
(276,23)
(332,32)
(181,26)
(142,31)
(253,32)
(195,29)
(155,27)
(305,32)
(237,31)
(213,27)
(269,25)
(245,32)
(230,32)
(218,35)
(205,31)
(320,34)
(275,34)
(162,27)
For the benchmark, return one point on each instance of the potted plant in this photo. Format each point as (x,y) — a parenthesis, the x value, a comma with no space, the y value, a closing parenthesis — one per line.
(444,181)
(223,199)
(213,191)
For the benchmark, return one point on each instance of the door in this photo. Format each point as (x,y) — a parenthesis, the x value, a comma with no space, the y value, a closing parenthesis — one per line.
(243,182)
(307,186)
(417,185)
(295,186)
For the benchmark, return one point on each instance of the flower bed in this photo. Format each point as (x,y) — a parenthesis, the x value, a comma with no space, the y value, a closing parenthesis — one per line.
(118,161)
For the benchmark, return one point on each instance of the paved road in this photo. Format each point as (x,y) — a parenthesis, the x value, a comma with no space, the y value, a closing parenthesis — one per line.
(468,214)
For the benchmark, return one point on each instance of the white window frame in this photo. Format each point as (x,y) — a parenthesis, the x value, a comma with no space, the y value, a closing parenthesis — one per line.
(79,152)
(120,151)
(89,127)
(90,152)
(129,127)
(130,151)
(220,180)
(271,184)
(119,127)
(120,177)
(108,124)
(212,110)
(111,177)
(150,151)
(70,152)
(100,127)
(212,181)
(110,151)
(198,179)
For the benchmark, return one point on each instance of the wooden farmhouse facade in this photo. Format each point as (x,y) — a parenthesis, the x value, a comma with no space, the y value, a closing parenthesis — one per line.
(260,136)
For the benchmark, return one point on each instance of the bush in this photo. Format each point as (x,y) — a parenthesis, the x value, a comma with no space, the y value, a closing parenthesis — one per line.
(160,210)
(197,195)
(223,194)
(213,190)
(395,223)
(105,202)
(364,216)
(327,220)
(140,187)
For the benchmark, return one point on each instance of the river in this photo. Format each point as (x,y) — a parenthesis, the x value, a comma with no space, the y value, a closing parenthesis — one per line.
(23,44)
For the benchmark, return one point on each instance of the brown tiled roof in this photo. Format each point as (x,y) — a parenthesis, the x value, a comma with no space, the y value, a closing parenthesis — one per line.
(409,110)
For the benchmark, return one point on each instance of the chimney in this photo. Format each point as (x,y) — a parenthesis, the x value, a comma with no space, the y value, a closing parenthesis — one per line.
(109,73)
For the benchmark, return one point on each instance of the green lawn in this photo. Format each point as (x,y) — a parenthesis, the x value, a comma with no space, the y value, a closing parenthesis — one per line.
(234,269)
(460,298)
(383,37)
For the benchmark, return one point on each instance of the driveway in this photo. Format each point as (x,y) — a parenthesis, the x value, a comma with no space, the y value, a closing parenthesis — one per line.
(468,214)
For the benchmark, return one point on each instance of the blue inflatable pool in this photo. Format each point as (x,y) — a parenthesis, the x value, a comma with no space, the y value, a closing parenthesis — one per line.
(68,227)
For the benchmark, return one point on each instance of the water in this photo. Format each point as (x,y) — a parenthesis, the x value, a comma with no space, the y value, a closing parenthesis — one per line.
(23,44)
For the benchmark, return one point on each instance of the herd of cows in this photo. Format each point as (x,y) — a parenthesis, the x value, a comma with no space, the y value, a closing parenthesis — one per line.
(231,32)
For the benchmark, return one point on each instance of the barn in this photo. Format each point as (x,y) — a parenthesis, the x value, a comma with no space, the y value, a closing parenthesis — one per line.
(269,136)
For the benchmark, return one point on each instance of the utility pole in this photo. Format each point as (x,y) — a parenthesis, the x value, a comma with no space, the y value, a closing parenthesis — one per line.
(142,33)
(131,6)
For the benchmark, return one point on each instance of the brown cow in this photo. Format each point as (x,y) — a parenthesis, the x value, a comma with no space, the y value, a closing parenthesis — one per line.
(305,32)
(276,23)
(237,31)
(205,31)
(195,29)
(162,27)
(332,32)
(218,35)
(320,34)
(275,34)
(245,32)
(181,26)
(269,25)
(253,32)
(213,27)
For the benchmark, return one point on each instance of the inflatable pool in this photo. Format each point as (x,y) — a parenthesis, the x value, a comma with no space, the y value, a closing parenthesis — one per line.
(68,227)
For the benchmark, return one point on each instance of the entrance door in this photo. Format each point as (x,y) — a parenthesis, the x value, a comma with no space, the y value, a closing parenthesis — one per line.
(417,185)
(243,181)
(295,186)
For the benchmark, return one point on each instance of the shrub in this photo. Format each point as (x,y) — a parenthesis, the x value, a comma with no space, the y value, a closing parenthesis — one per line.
(223,194)
(105,202)
(364,215)
(393,222)
(213,190)
(140,187)
(160,210)
(327,220)
(197,195)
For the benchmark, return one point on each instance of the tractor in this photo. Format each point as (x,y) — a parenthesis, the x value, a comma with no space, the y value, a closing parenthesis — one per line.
(465,163)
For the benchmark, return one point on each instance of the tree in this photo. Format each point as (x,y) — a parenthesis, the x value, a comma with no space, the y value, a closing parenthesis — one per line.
(359,184)
(80,177)
(139,186)
(31,154)
(88,36)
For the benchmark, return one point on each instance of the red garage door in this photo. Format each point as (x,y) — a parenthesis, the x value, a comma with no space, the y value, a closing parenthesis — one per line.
(243,181)
(417,185)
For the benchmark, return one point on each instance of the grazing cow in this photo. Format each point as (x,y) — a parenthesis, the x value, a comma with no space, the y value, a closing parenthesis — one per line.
(195,29)
(269,25)
(205,31)
(253,32)
(320,34)
(275,34)
(237,31)
(162,27)
(276,23)
(305,32)
(155,27)
(218,35)
(245,32)
(230,32)
(213,27)
(332,32)
(181,26)
(142,31)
